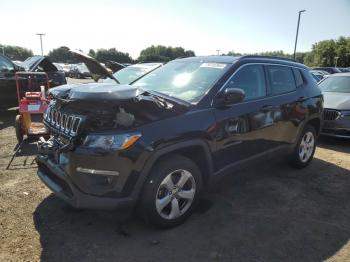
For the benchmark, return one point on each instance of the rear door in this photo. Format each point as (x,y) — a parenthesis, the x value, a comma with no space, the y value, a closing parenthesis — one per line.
(285,91)
(246,129)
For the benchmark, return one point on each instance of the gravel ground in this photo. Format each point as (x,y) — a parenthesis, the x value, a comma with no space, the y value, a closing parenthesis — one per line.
(269,212)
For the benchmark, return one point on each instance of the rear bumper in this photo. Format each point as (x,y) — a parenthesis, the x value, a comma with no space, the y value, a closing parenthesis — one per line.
(60,183)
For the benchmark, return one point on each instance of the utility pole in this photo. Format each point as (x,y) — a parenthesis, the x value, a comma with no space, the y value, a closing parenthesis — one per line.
(296,37)
(218,51)
(41,42)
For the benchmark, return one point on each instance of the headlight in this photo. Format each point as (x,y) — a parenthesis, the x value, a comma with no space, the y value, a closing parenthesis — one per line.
(107,142)
(344,113)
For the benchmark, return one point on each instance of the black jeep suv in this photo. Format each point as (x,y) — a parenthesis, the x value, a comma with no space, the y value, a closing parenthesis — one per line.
(158,142)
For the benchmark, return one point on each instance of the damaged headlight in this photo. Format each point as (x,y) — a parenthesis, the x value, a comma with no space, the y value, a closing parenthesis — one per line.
(108,142)
(345,113)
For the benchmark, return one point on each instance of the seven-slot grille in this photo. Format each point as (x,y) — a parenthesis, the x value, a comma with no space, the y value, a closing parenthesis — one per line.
(62,122)
(330,114)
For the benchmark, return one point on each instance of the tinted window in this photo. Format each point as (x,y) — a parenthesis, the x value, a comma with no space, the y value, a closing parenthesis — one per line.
(281,79)
(251,79)
(298,77)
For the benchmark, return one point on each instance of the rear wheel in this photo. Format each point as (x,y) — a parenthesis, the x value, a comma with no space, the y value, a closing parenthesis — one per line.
(18,128)
(171,192)
(305,148)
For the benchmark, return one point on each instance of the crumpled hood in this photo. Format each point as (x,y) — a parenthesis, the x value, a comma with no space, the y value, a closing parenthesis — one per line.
(108,105)
(96,92)
(339,101)
(97,70)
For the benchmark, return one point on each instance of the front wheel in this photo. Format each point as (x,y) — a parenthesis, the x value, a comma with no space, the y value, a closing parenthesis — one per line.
(171,192)
(305,148)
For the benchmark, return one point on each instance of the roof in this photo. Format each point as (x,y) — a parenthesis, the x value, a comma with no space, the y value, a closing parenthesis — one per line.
(212,59)
(233,59)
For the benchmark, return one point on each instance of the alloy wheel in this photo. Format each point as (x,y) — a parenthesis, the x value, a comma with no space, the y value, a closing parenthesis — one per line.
(175,194)
(306,147)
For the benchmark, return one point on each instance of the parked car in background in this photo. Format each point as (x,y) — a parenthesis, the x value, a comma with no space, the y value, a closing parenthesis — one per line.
(336,93)
(330,70)
(317,75)
(344,70)
(79,71)
(129,74)
(59,66)
(155,144)
(8,97)
(43,64)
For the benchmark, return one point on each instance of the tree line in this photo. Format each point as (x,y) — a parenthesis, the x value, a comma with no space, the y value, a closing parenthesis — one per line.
(324,53)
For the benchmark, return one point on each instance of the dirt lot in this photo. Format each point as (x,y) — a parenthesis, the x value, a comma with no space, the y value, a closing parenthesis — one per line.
(269,212)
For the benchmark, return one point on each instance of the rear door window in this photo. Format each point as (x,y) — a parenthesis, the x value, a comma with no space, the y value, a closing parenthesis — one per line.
(251,79)
(281,79)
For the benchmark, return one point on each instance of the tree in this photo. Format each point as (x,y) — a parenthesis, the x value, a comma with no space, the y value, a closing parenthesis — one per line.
(163,54)
(105,55)
(92,53)
(62,55)
(324,53)
(16,52)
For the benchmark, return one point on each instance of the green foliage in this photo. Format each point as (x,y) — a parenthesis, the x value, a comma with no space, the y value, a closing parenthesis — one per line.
(163,54)
(61,55)
(92,53)
(16,52)
(105,55)
(323,53)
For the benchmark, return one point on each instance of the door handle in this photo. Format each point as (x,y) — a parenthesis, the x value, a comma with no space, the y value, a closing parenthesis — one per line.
(301,99)
(267,108)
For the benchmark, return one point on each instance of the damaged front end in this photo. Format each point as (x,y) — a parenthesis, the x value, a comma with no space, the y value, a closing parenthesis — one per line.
(91,108)
(86,161)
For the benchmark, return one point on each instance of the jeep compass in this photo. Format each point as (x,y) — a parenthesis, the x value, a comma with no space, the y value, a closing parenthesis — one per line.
(155,144)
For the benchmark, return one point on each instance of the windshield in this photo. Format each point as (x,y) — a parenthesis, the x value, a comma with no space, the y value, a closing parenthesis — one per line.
(131,73)
(187,80)
(339,84)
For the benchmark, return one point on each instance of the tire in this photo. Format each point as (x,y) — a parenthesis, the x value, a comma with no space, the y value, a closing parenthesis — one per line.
(18,128)
(304,150)
(166,201)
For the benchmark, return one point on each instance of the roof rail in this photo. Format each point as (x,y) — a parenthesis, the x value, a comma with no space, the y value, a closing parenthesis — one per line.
(270,57)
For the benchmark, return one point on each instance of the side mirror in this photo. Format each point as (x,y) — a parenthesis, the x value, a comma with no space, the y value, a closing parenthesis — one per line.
(230,96)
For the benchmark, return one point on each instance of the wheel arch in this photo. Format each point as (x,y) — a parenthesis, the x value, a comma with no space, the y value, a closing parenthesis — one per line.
(197,150)
(315,123)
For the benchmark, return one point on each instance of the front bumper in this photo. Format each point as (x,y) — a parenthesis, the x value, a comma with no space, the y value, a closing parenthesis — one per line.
(337,128)
(59,182)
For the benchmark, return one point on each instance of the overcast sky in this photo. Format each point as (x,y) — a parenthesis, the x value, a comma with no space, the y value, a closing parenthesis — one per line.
(203,26)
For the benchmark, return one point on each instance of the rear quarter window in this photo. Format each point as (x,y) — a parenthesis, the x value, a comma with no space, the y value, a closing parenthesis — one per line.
(281,79)
(299,81)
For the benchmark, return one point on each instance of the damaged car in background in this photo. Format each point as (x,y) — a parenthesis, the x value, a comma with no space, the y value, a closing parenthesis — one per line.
(100,73)
(155,144)
(8,69)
